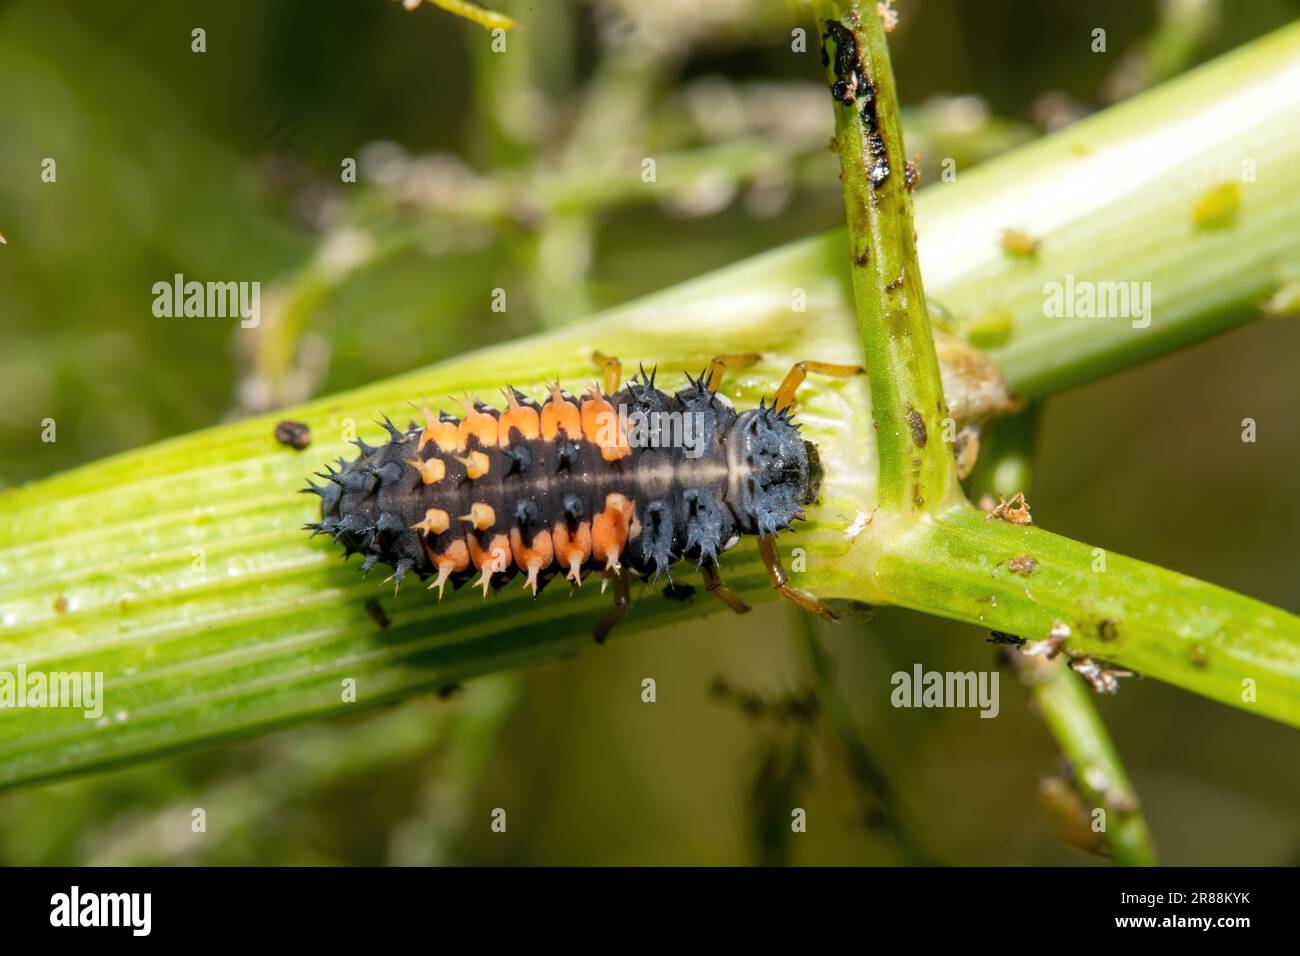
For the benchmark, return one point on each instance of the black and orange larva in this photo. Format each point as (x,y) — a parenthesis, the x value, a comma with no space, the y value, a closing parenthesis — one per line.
(559,488)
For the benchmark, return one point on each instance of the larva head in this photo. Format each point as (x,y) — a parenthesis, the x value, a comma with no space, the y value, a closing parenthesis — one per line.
(770,471)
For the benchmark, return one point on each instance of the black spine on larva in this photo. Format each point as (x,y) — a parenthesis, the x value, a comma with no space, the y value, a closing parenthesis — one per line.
(698,475)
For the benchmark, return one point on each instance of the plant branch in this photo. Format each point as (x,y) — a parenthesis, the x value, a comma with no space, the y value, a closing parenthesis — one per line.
(1065,704)
(907,399)
(1191,634)
(1097,772)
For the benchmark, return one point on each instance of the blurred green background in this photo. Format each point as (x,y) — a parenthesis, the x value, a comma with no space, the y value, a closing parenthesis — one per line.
(481,170)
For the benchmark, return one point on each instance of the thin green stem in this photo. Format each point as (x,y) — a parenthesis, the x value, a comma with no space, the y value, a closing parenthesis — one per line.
(1191,634)
(1062,700)
(1006,452)
(1097,772)
(907,399)
(906,394)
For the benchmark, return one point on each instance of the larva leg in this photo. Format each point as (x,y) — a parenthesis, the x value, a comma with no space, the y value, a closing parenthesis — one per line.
(622,601)
(487,19)
(719,364)
(785,394)
(612,368)
(713,584)
(772,561)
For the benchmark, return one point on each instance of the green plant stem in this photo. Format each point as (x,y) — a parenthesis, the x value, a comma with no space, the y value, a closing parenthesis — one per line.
(904,371)
(1005,464)
(1157,622)
(1111,199)
(1067,707)
(907,400)
(1065,704)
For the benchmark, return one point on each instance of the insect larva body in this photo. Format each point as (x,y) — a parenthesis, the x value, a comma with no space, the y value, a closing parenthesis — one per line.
(572,486)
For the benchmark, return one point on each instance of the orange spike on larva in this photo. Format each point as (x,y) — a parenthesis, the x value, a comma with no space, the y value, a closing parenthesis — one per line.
(575,571)
(601,426)
(533,557)
(478,425)
(492,560)
(521,418)
(481,516)
(435,522)
(455,556)
(476,465)
(444,572)
(560,415)
(431,471)
(443,434)
(572,548)
(609,530)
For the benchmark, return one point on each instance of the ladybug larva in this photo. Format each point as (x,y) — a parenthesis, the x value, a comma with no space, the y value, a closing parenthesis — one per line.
(623,481)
